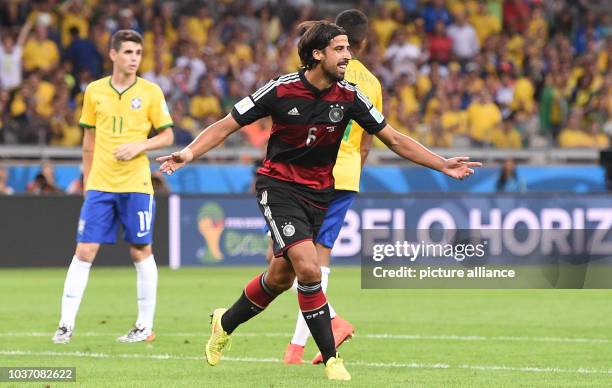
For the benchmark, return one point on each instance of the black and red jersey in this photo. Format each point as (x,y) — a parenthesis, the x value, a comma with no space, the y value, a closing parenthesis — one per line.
(307,126)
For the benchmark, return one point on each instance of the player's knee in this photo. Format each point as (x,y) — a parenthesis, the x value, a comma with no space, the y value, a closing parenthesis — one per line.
(86,252)
(140,252)
(279,282)
(309,273)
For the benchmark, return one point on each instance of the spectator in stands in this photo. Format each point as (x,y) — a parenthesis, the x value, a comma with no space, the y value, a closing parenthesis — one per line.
(76,187)
(454,119)
(465,40)
(40,52)
(509,181)
(44,182)
(74,15)
(185,127)
(37,94)
(82,53)
(440,44)
(580,134)
(435,11)
(11,52)
(127,21)
(516,14)
(383,25)
(65,131)
(484,118)
(205,105)
(404,56)
(159,48)
(484,22)
(191,60)
(508,136)
(5,189)
(158,76)
(599,139)
(234,94)
(436,136)
(199,24)
(505,91)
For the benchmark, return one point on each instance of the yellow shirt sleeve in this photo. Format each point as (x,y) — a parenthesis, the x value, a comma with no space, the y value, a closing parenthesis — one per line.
(159,114)
(88,113)
(379,100)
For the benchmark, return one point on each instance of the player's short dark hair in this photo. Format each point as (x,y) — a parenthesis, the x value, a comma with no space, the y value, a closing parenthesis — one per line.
(315,36)
(355,23)
(125,36)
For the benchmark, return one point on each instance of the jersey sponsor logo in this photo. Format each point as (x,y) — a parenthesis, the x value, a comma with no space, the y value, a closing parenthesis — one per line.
(136,103)
(244,105)
(81,227)
(294,112)
(330,129)
(288,229)
(377,115)
(142,234)
(336,113)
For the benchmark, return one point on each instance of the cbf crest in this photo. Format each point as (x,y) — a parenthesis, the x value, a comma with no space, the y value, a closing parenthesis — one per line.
(336,113)
(136,103)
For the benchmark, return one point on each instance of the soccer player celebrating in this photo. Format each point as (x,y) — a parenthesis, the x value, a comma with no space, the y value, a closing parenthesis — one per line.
(352,155)
(310,110)
(118,114)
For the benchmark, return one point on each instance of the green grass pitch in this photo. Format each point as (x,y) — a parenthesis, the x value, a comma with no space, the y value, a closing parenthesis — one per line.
(416,338)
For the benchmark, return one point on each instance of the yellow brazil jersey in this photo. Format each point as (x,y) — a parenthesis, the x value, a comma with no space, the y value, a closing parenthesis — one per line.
(121,118)
(347,170)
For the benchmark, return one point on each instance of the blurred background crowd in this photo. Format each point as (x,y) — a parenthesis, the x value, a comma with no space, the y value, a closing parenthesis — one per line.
(500,73)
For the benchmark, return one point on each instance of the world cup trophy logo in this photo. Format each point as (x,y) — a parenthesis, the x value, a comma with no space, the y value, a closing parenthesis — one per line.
(211,222)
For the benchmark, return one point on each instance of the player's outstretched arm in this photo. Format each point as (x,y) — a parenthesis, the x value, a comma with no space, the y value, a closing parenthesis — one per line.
(408,148)
(208,139)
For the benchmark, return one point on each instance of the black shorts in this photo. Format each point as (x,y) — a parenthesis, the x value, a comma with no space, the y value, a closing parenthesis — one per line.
(292,216)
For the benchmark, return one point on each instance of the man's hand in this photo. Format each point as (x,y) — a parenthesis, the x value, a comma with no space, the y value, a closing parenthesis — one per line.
(459,167)
(129,151)
(174,161)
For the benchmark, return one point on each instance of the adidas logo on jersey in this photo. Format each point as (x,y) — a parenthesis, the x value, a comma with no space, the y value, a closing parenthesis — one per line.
(293,112)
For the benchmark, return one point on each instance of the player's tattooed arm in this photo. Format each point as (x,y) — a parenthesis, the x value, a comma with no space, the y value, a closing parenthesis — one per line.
(208,139)
(408,148)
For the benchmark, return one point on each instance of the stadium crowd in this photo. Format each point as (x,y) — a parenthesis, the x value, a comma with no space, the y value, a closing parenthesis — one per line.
(501,73)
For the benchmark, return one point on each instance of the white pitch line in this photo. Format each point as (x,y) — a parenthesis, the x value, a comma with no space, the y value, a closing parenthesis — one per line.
(415,337)
(398,365)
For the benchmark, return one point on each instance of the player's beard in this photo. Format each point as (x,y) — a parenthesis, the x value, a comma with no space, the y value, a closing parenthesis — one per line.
(332,75)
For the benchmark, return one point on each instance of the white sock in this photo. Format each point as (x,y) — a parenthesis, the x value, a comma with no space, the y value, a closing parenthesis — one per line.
(146,290)
(324,281)
(300,336)
(74,287)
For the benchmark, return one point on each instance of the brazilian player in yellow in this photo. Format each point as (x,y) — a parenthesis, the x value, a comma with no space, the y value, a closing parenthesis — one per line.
(347,171)
(118,114)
